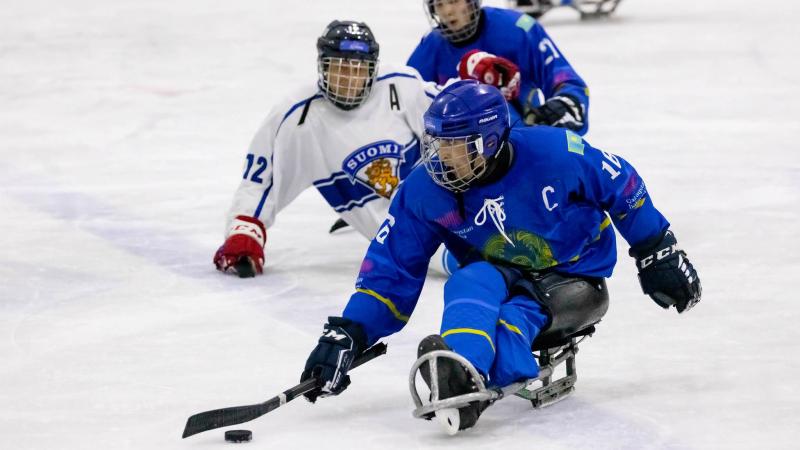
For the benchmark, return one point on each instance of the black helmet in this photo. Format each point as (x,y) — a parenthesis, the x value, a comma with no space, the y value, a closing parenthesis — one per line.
(347,61)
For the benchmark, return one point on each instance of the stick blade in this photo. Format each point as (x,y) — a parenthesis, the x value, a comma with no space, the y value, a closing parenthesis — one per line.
(223,417)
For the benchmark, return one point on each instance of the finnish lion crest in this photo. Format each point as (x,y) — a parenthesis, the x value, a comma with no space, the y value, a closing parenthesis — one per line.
(382,178)
(376,166)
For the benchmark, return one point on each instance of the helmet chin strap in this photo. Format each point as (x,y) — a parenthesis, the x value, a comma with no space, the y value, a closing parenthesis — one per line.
(497,166)
(475,167)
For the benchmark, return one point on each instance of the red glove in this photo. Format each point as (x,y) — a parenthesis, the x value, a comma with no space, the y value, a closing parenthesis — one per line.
(243,250)
(490,69)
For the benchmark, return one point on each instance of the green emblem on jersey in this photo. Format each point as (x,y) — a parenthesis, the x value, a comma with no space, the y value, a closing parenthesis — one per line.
(529,252)
(574,143)
(525,22)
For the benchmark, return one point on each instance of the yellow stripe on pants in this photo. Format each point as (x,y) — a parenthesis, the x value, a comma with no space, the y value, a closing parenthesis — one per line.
(469,331)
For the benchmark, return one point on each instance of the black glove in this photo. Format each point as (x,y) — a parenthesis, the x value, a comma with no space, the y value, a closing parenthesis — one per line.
(341,342)
(666,275)
(561,111)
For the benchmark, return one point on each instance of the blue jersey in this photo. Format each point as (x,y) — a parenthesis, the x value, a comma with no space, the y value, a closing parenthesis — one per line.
(552,210)
(517,37)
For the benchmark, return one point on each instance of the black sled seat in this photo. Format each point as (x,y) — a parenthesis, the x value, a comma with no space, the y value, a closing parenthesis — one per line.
(575,305)
(547,342)
(552,351)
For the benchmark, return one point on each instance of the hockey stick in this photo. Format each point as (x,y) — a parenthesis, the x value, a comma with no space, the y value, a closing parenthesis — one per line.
(234,415)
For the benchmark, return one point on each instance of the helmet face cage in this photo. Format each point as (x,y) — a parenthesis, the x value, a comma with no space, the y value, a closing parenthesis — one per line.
(442,12)
(454,162)
(347,63)
(346,82)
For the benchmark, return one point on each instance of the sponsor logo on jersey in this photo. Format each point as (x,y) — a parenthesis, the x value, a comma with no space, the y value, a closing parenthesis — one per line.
(635,190)
(376,166)
(462,232)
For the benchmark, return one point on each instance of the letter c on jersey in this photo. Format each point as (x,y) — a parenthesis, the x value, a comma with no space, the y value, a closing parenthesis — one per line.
(544,198)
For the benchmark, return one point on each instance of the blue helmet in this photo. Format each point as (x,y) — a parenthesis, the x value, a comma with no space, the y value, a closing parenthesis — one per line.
(469,114)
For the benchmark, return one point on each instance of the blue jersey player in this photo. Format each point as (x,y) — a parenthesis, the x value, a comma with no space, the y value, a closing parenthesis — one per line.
(462,26)
(527,213)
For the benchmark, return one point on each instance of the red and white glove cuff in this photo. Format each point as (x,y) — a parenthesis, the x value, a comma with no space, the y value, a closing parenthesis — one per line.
(492,70)
(466,68)
(249,226)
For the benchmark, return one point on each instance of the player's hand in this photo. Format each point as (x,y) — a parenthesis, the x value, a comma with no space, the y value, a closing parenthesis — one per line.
(243,250)
(490,69)
(341,342)
(666,275)
(560,111)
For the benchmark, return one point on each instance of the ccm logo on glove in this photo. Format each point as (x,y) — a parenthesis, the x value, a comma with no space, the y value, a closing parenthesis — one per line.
(657,256)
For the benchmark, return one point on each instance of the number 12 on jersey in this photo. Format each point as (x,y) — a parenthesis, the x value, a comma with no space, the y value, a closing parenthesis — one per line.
(261,166)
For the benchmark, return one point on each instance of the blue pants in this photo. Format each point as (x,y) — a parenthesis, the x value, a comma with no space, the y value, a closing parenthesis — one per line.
(490,329)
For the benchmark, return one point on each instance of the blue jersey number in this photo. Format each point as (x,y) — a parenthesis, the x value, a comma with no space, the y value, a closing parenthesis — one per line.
(261,166)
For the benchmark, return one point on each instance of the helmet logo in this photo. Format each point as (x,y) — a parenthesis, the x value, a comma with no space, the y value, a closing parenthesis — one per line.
(353,46)
(487,119)
(353,28)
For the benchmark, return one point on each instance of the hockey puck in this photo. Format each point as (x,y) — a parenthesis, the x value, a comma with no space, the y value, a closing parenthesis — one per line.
(238,435)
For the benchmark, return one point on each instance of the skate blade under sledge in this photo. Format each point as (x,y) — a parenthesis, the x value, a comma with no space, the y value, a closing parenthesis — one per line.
(427,410)
(551,391)
(548,393)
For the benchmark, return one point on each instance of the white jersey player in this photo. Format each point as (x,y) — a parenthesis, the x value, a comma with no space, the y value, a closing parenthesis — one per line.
(354,137)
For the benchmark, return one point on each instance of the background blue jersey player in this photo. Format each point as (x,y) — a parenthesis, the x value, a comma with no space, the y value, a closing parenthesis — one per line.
(526,211)
(462,26)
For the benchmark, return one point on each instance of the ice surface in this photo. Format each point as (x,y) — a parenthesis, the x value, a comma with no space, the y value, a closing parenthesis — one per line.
(122,128)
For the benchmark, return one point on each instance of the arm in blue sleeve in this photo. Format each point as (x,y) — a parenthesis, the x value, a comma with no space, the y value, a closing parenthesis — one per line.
(543,66)
(423,58)
(393,272)
(613,184)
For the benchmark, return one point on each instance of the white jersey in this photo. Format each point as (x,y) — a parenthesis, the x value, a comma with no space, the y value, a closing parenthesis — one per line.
(356,159)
